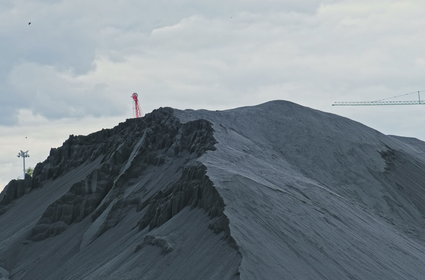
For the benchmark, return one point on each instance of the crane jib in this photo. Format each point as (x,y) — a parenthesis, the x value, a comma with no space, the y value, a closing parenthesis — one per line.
(378,103)
(384,101)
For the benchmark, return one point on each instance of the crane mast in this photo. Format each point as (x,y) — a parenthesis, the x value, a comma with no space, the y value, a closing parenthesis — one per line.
(383,102)
(136,107)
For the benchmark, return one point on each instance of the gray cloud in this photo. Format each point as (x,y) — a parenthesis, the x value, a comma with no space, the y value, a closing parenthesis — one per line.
(81,58)
(48,66)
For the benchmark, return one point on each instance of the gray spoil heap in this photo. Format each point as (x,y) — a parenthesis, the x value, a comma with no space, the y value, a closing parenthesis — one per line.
(274,191)
(124,182)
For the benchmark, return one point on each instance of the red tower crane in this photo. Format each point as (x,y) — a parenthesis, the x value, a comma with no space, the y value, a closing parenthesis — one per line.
(135,97)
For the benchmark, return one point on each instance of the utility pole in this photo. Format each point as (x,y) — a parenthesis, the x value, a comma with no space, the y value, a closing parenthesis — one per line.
(23,155)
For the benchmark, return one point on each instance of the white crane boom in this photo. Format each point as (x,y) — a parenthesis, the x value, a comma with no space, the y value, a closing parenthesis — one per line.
(383,102)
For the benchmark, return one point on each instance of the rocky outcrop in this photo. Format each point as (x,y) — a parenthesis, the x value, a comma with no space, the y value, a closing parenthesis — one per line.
(193,189)
(81,200)
(389,155)
(127,152)
(14,190)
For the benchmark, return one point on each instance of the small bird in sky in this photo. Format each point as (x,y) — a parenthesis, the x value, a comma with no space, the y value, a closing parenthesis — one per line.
(29,23)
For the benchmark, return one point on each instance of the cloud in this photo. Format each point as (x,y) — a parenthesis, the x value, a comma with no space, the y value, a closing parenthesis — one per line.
(56,94)
(82,59)
(48,65)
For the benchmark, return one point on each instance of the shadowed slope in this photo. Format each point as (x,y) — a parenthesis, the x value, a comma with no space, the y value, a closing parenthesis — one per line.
(118,204)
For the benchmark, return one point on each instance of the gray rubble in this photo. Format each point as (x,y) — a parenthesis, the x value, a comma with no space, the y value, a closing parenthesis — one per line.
(274,191)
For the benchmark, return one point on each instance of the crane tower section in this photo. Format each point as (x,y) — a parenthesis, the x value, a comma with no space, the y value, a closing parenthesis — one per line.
(136,108)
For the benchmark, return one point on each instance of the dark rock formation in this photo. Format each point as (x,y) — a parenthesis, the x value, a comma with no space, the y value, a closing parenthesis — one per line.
(126,152)
(15,189)
(193,189)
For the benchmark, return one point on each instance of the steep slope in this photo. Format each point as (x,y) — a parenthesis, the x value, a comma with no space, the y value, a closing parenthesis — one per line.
(119,204)
(310,195)
(274,191)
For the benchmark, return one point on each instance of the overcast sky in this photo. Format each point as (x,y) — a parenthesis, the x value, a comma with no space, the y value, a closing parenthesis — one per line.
(73,69)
